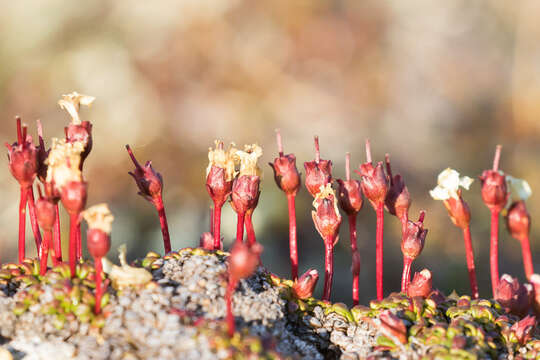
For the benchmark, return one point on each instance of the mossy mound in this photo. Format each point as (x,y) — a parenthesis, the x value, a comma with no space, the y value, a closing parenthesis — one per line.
(179,315)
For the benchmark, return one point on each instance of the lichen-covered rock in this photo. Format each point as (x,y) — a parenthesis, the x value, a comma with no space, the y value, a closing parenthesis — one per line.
(179,313)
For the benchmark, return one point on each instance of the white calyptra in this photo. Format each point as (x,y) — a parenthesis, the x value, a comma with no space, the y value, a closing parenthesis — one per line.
(248,160)
(222,158)
(99,217)
(63,162)
(518,188)
(448,183)
(72,103)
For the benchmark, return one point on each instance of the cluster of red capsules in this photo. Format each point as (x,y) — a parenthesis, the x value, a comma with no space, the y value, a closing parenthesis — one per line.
(59,172)
(234,175)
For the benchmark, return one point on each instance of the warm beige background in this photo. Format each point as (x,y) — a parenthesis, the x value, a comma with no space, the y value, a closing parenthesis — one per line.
(436,84)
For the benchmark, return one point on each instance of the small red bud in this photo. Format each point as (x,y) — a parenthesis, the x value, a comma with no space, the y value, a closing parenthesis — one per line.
(326,216)
(518,220)
(494,188)
(413,238)
(459,211)
(245,193)
(217,186)
(286,174)
(318,172)
(514,297)
(524,329)
(206,241)
(421,285)
(374,182)
(398,199)
(149,182)
(46,213)
(393,326)
(304,286)
(350,196)
(73,196)
(244,260)
(22,156)
(98,242)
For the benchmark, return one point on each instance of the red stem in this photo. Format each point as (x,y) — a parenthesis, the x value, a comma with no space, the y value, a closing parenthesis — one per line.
(79,242)
(22,225)
(354,248)
(240,228)
(527,257)
(317,150)
(231,285)
(470,261)
(99,269)
(163,222)
(494,250)
(33,218)
(328,267)
(73,220)
(47,236)
(217,226)
(57,243)
(406,274)
(379,250)
(20,139)
(293,248)
(249,228)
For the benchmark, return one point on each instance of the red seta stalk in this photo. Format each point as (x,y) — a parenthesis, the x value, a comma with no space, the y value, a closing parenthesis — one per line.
(328,267)
(57,243)
(158,203)
(354,249)
(216,223)
(73,222)
(494,250)
(379,250)
(47,236)
(470,261)
(99,290)
(406,274)
(240,228)
(527,257)
(251,239)
(293,248)
(22,225)
(231,285)
(78,242)
(33,218)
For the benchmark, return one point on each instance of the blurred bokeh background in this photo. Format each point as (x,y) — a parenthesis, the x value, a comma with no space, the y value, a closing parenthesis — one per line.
(435,84)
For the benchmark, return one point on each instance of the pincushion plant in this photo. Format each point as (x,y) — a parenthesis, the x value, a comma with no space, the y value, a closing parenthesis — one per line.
(495,196)
(245,191)
(287,179)
(518,220)
(98,241)
(23,165)
(327,220)
(350,201)
(448,190)
(150,184)
(375,188)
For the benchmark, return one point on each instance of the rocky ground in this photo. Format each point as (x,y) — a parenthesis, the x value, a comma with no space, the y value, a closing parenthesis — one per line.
(179,313)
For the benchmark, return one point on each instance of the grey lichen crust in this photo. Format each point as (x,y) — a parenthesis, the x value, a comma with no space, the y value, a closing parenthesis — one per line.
(179,314)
